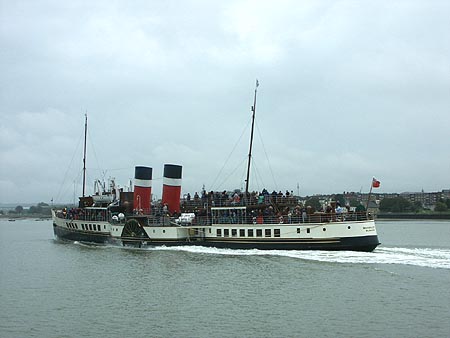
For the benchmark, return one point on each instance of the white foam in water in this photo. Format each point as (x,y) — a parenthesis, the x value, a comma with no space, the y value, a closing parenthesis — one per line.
(426,257)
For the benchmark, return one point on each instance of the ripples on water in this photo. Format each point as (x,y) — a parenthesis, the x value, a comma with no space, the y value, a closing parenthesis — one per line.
(50,288)
(424,257)
(433,258)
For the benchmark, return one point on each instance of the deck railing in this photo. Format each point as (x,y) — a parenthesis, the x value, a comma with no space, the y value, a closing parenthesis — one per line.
(225,201)
(280,219)
(101,215)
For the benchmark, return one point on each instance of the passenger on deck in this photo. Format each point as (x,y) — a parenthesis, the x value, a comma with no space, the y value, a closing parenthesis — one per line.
(304,215)
(339,211)
(236,199)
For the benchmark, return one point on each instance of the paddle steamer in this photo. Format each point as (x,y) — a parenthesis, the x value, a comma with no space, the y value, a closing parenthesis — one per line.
(236,220)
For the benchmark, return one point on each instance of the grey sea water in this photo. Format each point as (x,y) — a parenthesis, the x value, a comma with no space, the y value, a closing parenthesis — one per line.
(54,289)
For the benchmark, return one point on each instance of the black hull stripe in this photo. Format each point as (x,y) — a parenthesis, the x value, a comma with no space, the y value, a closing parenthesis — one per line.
(363,243)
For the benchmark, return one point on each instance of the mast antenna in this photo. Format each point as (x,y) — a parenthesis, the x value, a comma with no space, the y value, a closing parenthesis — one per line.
(251,140)
(84,154)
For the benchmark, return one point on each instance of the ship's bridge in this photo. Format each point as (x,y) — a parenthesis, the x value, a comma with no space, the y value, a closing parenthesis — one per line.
(229,215)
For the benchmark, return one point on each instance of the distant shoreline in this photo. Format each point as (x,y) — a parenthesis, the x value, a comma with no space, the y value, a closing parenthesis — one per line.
(383,216)
(17,217)
(413,216)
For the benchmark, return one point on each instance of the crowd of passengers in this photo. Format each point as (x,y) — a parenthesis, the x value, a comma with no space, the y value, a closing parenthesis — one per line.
(226,199)
(333,212)
(83,214)
(269,208)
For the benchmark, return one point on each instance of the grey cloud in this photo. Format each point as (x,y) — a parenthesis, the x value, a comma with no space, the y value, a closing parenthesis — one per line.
(349,90)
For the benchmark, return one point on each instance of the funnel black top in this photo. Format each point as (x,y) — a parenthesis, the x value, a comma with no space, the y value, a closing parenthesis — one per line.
(172,171)
(143,173)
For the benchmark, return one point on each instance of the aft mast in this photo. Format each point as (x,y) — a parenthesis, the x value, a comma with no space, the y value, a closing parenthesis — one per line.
(251,140)
(84,154)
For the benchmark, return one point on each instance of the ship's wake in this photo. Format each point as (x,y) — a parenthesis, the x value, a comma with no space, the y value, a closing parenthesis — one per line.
(424,257)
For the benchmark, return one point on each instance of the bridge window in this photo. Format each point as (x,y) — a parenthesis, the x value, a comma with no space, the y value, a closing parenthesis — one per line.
(242,232)
(258,232)
(233,232)
(219,232)
(232,215)
(268,233)
(276,232)
(226,233)
(250,232)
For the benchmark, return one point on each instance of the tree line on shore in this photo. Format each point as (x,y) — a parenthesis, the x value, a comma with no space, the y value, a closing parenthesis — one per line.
(40,209)
(394,204)
(401,204)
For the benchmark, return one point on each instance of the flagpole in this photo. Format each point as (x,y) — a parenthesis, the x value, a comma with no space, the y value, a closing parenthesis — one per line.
(370,193)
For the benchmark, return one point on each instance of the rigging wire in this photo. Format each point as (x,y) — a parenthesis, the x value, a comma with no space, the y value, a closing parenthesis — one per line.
(117,169)
(257,177)
(76,180)
(232,172)
(267,157)
(229,156)
(96,157)
(68,168)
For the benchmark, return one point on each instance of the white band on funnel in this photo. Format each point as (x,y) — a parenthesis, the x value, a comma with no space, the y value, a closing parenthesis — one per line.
(174,182)
(142,183)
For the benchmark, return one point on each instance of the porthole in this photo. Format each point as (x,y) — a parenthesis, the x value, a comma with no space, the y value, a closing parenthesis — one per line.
(349,227)
(324,229)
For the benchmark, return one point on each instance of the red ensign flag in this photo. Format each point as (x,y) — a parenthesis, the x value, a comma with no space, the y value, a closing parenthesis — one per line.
(375,183)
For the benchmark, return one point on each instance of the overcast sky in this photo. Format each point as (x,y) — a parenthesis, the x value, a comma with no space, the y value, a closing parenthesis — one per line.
(349,90)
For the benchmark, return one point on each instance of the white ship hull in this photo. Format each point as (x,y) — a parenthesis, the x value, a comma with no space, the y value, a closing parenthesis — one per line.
(334,235)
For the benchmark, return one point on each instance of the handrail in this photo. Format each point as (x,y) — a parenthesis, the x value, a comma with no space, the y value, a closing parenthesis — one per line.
(279,219)
(225,201)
